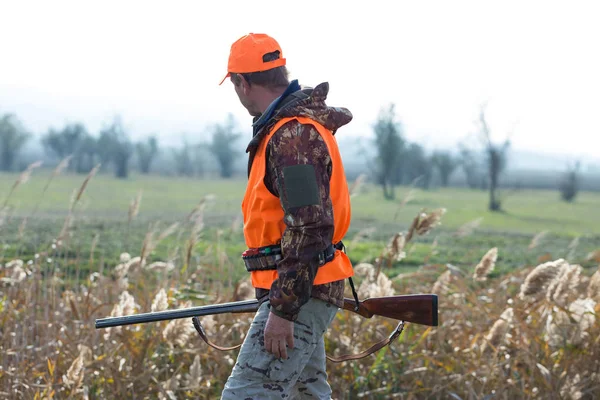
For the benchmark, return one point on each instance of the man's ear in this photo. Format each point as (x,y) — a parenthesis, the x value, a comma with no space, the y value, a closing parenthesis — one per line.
(245,85)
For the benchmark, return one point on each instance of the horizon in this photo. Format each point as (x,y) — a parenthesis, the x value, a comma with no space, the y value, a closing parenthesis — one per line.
(160,68)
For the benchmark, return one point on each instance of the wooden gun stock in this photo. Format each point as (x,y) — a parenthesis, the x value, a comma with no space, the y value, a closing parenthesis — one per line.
(417,308)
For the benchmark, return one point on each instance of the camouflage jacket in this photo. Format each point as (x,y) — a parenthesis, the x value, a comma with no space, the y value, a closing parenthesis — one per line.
(309,229)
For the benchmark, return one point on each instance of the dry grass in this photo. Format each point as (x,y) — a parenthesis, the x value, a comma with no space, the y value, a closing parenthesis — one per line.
(489,340)
(529,334)
(486,265)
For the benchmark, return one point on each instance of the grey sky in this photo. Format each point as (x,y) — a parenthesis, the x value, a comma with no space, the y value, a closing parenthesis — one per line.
(158,64)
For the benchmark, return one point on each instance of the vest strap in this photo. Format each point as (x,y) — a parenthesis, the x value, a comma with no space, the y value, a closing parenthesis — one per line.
(266,258)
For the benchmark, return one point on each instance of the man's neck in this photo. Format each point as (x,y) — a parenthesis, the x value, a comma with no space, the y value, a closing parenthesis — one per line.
(267,98)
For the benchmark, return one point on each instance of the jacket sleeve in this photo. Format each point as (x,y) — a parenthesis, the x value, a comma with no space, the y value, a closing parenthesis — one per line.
(298,172)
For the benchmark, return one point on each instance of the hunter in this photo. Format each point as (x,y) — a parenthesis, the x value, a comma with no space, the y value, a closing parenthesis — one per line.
(296,211)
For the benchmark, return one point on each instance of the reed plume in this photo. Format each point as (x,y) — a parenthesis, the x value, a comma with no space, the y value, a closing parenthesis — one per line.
(497,334)
(424,222)
(486,265)
(539,279)
(537,239)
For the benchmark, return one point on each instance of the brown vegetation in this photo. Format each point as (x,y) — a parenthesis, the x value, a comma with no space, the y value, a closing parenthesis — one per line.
(532,333)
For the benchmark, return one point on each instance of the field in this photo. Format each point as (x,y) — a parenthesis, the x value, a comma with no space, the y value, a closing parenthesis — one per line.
(76,250)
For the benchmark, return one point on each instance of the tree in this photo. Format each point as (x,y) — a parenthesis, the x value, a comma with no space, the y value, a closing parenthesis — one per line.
(13,137)
(146,152)
(115,147)
(88,152)
(445,164)
(201,153)
(472,167)
(389,145)
(496,160)
(224,136)
(569,184)
(105,144)
(73,140)
(183,160)
(418,166)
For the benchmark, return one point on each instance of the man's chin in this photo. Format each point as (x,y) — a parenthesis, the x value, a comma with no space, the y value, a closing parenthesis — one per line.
(254,113)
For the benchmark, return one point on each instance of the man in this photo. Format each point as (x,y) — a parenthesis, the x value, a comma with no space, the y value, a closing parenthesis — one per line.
(296,211)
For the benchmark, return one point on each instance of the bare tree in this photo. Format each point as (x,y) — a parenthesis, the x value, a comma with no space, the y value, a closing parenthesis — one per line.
(496,157)
(445,164)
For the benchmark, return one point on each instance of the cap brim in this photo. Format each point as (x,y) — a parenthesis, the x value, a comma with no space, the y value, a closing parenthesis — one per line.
(226,76)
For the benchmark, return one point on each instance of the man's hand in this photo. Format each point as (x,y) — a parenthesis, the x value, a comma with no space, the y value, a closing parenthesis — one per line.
(279,332)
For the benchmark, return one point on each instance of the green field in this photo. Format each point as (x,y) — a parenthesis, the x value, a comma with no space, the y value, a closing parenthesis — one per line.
(103,210)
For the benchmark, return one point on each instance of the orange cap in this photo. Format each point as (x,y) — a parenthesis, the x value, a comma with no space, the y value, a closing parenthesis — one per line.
(247,53)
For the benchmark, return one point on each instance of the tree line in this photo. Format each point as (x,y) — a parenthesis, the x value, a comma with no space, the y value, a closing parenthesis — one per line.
(396,161)
(113,148)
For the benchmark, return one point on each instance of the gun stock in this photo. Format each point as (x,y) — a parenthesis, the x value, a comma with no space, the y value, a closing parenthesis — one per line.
(417,308)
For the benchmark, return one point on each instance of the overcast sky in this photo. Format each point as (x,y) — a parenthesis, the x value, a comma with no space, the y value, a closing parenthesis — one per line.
(158,64)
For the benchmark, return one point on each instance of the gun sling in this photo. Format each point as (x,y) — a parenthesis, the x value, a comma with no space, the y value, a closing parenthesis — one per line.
(347,357)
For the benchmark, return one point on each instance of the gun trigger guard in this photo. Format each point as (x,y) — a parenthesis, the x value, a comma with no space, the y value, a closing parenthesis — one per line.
(202,333)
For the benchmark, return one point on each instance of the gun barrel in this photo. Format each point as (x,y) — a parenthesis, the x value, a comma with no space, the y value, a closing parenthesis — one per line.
(234,307)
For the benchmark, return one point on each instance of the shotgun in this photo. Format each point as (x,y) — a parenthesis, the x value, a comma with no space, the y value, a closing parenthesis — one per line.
(419,309)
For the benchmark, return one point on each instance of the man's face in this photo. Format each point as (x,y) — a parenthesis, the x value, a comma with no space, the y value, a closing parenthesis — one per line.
(246,95)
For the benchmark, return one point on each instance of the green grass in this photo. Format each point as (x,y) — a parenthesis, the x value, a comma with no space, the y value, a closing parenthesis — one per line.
(107,197)
(524,212)
(170,198)
(104,207)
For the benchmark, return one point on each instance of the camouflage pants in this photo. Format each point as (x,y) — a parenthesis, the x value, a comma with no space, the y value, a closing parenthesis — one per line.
(258,374)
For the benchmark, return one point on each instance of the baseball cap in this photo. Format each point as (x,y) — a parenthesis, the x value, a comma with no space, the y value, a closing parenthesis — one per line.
(247,54)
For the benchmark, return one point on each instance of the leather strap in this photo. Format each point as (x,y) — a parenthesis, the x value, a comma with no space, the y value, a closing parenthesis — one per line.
(202,334)
(376,347)
(347,357)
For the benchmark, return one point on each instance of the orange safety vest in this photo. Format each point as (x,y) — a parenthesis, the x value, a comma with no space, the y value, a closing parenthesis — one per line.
(263,214)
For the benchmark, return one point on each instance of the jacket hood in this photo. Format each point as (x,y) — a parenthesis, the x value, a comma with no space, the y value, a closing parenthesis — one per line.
(306,102)
(310,103)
